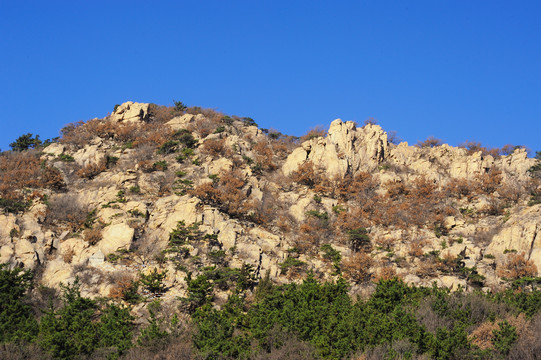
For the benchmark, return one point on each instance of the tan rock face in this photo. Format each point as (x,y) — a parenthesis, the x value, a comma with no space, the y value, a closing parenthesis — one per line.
(131,112)
(7,224)
(346,149)
(118,236)
(522,233)
(89,155)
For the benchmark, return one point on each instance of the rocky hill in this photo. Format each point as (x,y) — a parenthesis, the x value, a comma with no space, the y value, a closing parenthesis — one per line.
(195,207)
(151,187)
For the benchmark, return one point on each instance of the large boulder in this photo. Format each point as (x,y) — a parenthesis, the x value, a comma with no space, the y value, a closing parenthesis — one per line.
(116,237)
(131,112)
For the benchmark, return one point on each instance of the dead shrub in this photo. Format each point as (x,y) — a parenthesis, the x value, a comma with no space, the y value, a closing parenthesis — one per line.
(68,255)
(264,155)
(152,135)
(123,285)
(427,268)
(93,236)
(280,344)
(76,134)
(459,188)
(66,210)
(416,249)
(357,267)
(159,114)
(92,170)
(313,133)
(385,242)
(226,194)
(306,175)
(312,233)
(515,266)
(215,148)
(360,187)
(21,350)
(20,170)
(386,273)
(489,182)
(528,346)
(430,142)
(474,146)
(483,236)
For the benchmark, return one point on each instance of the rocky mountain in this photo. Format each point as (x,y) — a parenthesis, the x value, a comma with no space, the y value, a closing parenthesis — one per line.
(151,191)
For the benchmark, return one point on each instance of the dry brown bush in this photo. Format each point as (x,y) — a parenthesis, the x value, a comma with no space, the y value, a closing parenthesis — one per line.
(416,249)
(386,273)
(92,170)
(516,266)
(528,346)
(315,132)
(66,210)
(20,170)
(159,114)
(488,183)
(385,242)
(280,344)
(459,188)
(396,189)
(427,268)
(357,267)
(68,255)
(475,146)
(19,351)
(123,284)
(360,187)
(483,236)
(264,155)
(430,141)
(226,194)
(312,233)
(93,236)
(215,148)
(152,135)
(306,175)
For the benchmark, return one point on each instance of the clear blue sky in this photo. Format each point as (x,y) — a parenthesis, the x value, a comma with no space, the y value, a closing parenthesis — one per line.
(456,70)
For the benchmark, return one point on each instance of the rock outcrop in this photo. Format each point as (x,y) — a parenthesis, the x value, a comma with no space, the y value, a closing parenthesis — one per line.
(130,112)
(345,150)
(135,209)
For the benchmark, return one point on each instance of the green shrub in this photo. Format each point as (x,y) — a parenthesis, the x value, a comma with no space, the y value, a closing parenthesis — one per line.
(66,158)
(17,322)
(358,239)
(291,262)
(160,165)
(14,206)
(153,281)
(168,147)
(504,337)
(25,142)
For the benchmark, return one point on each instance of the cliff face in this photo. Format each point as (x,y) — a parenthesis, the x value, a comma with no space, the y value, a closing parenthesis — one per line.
(238,196)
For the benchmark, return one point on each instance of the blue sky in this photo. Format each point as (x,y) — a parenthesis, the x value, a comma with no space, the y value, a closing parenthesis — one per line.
(457,70)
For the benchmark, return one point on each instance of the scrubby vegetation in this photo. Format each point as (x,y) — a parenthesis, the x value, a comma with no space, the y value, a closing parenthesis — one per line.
(310,319)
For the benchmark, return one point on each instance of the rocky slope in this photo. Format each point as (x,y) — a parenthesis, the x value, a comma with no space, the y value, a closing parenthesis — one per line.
(136,182)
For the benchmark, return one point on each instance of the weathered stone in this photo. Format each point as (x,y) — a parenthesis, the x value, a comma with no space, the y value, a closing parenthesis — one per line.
(346,149)
(115,237)
(96,259)
(55,149)
(131,112)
